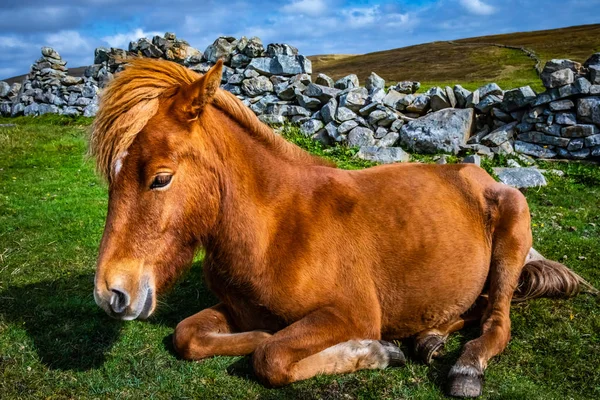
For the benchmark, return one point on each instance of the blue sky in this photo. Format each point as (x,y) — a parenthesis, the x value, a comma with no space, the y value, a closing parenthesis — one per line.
(76,27)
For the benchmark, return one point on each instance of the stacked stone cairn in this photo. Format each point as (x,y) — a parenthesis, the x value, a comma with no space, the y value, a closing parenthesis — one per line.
(277,84)
(49,89)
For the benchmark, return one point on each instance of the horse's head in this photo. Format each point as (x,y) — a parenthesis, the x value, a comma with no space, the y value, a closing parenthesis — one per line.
(163,186)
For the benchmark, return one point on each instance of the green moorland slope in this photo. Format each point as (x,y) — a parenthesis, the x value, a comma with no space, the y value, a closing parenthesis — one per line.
(56,343)
(471,62)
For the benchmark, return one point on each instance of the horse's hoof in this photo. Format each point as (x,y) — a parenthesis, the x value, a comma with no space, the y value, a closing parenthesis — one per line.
(395,355)
(429,348)
(468,383)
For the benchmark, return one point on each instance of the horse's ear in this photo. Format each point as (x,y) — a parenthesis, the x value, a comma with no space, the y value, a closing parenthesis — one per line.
(195,96)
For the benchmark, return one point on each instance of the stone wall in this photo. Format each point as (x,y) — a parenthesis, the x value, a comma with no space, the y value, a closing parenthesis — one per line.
(276,83)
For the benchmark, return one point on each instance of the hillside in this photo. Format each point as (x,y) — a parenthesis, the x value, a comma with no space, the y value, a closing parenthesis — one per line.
(472,61)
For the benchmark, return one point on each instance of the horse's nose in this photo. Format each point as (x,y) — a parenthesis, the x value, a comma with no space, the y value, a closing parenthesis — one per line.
(119,300)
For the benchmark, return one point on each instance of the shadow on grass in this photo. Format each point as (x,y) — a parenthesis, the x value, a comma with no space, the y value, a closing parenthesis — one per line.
(70,332)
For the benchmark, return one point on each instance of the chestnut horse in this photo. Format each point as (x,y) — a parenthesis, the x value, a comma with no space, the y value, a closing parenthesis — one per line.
(314,266)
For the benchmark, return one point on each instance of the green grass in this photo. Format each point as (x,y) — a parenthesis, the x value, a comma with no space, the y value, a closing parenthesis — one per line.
(56,343)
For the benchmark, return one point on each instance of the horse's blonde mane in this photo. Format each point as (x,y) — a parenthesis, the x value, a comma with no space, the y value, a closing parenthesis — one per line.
(132,98)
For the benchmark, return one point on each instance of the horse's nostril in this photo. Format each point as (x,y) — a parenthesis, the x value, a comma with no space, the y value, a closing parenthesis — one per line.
(119,301)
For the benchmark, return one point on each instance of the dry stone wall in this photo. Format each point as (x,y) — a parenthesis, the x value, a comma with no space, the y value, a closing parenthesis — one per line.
(277,84)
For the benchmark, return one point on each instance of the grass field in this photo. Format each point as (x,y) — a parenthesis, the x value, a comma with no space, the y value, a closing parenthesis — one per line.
(471,62)
(56,343)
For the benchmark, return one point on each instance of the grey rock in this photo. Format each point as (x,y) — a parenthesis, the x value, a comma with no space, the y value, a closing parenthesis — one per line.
(580,154)
(441,131)
(359,137)
(545,97)
(594,74)
(90,110)
(596,151)
(490,88)
(383,155)
(256,86)
(392,98)
(407,87)
(521,177)
(275,49)
(324,80)
(239,60)
(254,48)
(377,96)
(236,79)
(473,99)
(593,60)
(576,144)
(487,103)
(347,126)
(4,89)
(578,131)
(461,95)
(5,108)
(311,127)
(323,93)
(221,49)
(389,140)
(566,118)
(50,52)
(32,109)
(586,106)
(332,131)
(500,135)
(281,65)
(233,89)
(582,86)
(17,109)
(322,137)
(450,96)
(355,99)
(377,116)
(472,159)
(380,132)
(540,138)
(271,119)
(592,141)
(344,114)
(374,81)
(347,82)
(533,150)
(328,111)
(308,102)
(83,101)
(558,78)
(518,98)
(501,115)
(47,109)
(438,99)
(561,105)
(420,105)
(476,138)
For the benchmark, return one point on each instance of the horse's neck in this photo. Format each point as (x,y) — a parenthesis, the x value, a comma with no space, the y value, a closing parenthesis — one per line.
(255,179)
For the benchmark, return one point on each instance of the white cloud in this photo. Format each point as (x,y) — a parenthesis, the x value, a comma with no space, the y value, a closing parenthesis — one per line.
(121,40)
(308,7)
(478,7)
(68,42)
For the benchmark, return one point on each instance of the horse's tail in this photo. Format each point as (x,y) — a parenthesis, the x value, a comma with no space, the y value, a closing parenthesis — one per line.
(546,278)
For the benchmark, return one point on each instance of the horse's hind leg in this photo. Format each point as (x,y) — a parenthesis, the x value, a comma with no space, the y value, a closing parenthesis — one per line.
(429,343)
(510,244)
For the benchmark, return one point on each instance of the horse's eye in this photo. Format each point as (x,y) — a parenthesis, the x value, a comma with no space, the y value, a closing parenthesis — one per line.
(161,180)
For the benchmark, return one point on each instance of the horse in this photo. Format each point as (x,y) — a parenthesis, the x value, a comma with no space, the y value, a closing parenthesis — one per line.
(317,269)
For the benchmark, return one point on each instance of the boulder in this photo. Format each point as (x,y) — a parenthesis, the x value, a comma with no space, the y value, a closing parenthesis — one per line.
(578,131)
(442,131)
(324,80)
(389,140)
(383,155)
(355,99)
(221,49)
(558,78)
(328,111)
(533,150)
(254,48)
(490,88)
(392,97)
(311,127)
(347,82)
(4,89)
(500,135)
(374,81)
(521,178)
(518,98)
(407,87)
(344,114)
(256,86)
(360,136)
(420,105)
(281,65)
(323,93)
(561,105)
(461,95)
(275,49)
(438,99)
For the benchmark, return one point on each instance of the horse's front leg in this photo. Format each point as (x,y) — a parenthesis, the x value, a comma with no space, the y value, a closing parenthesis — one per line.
(327,341)
(212,332)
